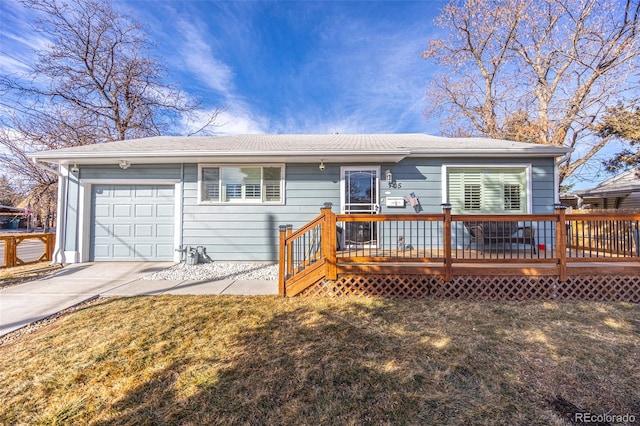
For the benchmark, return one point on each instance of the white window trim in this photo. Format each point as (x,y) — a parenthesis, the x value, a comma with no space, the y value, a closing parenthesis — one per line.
(282,201)
(527,173)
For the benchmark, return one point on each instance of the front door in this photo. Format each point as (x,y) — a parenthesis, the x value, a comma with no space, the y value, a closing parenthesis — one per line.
(360,188)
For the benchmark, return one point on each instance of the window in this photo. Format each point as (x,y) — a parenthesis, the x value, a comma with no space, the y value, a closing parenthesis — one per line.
(487,190)
(472,197)
(512,197)
(241,184)
(211,184)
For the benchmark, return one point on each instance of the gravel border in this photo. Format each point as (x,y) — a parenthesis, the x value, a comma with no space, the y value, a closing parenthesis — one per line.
(217,271)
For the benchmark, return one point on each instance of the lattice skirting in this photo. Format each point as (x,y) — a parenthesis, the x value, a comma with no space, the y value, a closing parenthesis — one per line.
(623,288)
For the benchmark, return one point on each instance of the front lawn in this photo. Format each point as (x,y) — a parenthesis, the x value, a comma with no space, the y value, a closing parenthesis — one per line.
(23,273)
(268,360)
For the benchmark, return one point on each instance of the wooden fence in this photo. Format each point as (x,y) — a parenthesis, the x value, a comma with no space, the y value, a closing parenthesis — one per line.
(452,245)
(26,248)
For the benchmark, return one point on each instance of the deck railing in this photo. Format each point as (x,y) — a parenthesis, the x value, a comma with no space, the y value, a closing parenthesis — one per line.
(25,248)
(598,236)
(444,243)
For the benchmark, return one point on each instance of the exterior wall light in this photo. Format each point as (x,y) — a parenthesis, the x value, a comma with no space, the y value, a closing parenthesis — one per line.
(388,176)
(321,166)
(75,168)
(124,164)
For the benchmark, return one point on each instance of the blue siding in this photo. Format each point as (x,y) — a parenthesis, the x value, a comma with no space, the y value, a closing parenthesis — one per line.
(136,171)
(423,176)
(250,232)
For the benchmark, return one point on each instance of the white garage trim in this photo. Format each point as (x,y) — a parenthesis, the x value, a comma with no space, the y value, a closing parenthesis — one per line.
(84,215)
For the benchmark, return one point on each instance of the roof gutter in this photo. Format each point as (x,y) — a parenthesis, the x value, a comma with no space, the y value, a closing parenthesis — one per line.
(490,152)
(197,154)
(43,166)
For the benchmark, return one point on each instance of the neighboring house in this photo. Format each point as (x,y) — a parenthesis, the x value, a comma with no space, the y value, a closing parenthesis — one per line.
(9,214)
(621,192)
(142,199)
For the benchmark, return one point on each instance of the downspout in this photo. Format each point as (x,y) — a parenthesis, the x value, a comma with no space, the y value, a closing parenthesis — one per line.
(556,180)
(181,219)
(61,216)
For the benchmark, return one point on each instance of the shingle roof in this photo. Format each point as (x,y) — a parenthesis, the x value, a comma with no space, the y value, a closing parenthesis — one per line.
(302,144)
(625,182)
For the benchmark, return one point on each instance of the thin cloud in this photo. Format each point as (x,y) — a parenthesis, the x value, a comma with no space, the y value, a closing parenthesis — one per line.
(10,65)
(235,120)
(201,60)
(18,40)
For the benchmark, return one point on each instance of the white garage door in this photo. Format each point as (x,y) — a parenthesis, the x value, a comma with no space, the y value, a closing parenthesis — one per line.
(132,222)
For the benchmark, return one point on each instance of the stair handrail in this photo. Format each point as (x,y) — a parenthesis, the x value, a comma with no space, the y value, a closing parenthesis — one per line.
(292,269)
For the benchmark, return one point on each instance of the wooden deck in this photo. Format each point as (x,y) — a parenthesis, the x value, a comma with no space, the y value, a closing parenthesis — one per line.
(412,248)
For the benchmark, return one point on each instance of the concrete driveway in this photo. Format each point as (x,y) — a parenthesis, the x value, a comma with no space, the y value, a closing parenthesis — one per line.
(25,303)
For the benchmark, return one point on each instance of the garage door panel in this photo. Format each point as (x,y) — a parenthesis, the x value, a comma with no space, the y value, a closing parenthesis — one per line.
(122,210)
(101,192)
(165,250)
(122,191)
(102,231)
(102,211)
(121,251)
(164,230)
(142,192)
(132,222)
(164,210)
(102,250)
(166,193)
(144,210)
(122,231)
(145,230)
(144,250)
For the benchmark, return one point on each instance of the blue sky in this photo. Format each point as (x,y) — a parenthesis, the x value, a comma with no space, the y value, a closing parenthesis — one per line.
(281,67)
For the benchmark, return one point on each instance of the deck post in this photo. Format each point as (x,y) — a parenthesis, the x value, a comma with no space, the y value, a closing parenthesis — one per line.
(5,241)
(561,241)
(446,231)
(10,252)
(283,259)
(289,266)
(329,239)
(51,242)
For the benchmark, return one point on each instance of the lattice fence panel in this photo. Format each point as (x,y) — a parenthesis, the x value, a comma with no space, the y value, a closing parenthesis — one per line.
(497,288)
(605,287)
(393,286)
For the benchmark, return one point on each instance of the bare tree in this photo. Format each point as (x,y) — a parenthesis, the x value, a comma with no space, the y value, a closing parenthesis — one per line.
(96,81)
(8,194)
(540,72)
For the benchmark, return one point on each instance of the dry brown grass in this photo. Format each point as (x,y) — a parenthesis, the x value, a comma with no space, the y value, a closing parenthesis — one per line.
(23,273)
(268,360)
